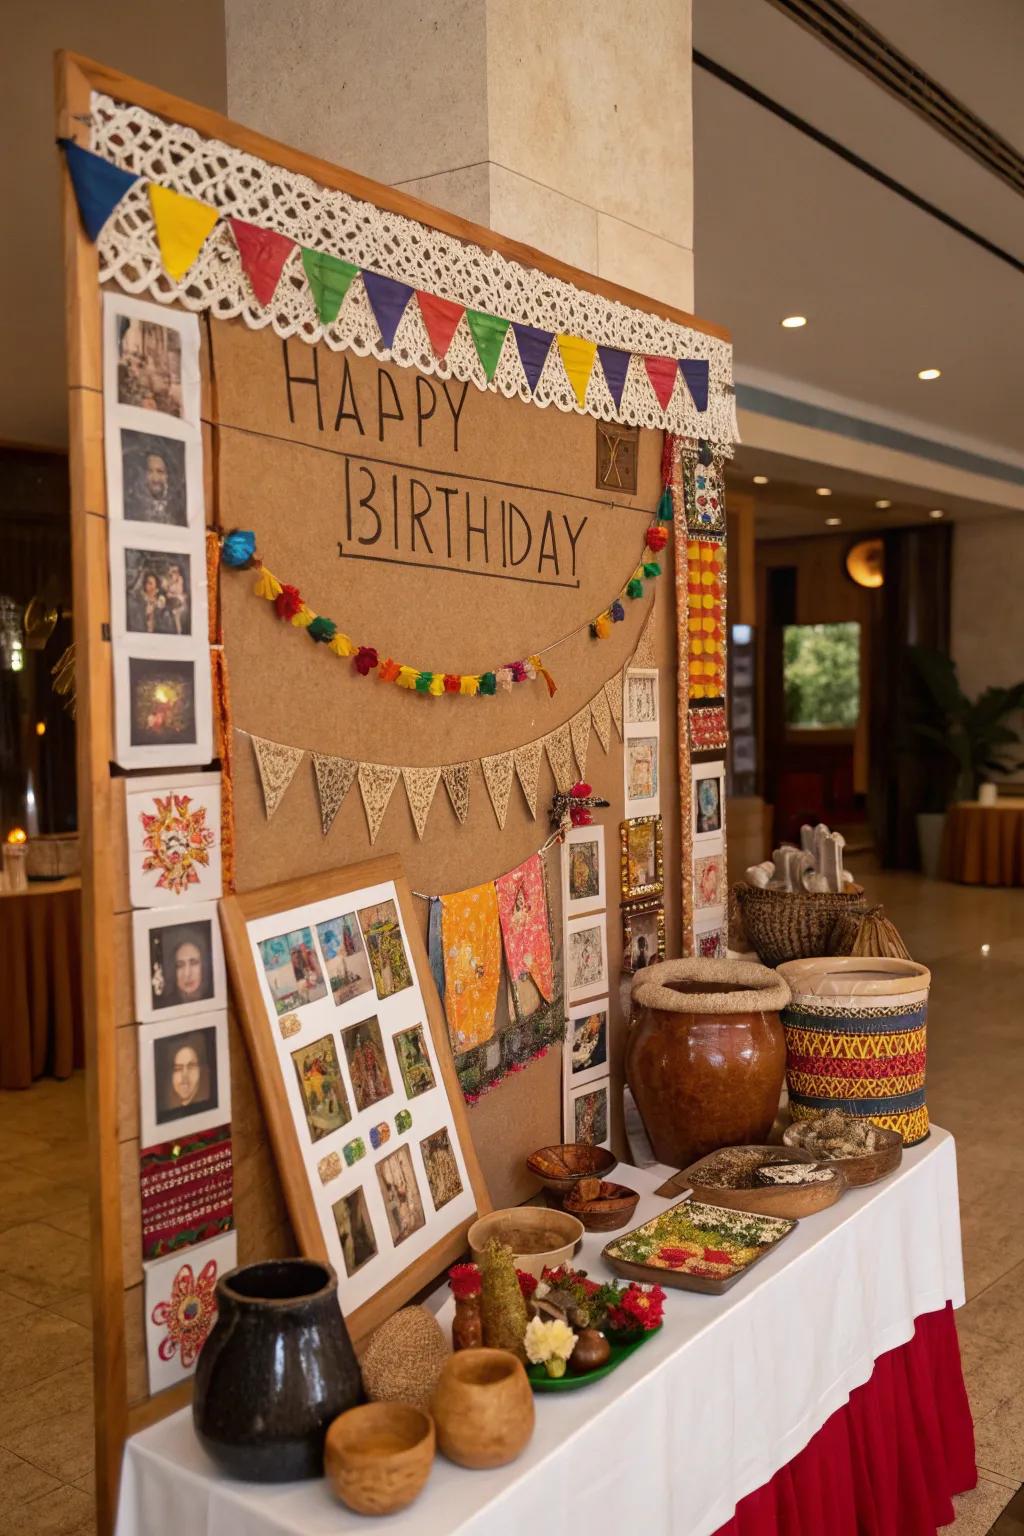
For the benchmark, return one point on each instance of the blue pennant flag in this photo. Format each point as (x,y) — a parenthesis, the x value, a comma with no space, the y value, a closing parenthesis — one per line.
(695,372)
(615,363)
(99,186)
(388,299)
(534,346)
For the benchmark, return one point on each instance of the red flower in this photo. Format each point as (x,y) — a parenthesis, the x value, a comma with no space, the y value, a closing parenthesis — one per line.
(580,790)
(464,1280)
(365,659)
(527,1283)
(288,602)
(452,684)
(581,817)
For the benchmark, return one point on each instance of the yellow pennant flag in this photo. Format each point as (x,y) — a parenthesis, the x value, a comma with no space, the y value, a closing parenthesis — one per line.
(578,361)
(182,224)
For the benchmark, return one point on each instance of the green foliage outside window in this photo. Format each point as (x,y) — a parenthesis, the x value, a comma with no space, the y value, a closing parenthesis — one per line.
(821,675)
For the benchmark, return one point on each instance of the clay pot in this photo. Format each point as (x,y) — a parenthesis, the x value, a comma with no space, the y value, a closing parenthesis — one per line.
(483,1408)
(379,1456)
(275,1371)
(706,1054)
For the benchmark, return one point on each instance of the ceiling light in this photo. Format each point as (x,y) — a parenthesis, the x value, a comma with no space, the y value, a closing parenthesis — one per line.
(936,512)
(833,522)
(929,373)
(760,479)
(793,322)
(883,505)
(823,490)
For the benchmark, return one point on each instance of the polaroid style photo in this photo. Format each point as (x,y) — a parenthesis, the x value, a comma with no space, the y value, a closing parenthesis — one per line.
(584,886)
(710,939)
(154,478)
(179,962)
(586,1042)
(640,696)
(586,957)
(707,803)
(173,825)
(162,702)
(181,1307)
(640,771)
(184,1077)
(589,1117)
(709,883)
(157,586)
(151,376)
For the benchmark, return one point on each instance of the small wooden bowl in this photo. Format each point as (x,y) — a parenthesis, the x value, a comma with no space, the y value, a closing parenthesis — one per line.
(379,1456)
(794,1201)
(607,1211)
(561,1167)
(867,1168)
(540,1238)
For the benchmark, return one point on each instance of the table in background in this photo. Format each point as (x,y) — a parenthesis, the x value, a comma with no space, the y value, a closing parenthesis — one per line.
(773,1381)
(984,844)
(41,982)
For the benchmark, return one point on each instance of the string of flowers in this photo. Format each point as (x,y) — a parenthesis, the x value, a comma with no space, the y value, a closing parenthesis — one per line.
(238,552)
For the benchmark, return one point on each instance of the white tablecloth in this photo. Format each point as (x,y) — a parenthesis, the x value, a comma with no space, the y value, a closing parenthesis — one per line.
(729,1391)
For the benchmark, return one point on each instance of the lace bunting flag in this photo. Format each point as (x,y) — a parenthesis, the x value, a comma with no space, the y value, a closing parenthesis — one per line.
(559,749)
(276,764)
(376,785)
(528,770)
(498,772)
(334,776)
(613,693)
(601,715)
(420,785)
(579,730)
(456,782)
(644,655)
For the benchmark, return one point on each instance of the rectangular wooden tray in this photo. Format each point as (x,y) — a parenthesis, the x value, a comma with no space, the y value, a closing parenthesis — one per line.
(652,1274)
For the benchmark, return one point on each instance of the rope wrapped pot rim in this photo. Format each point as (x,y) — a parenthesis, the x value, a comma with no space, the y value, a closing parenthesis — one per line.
(757,989)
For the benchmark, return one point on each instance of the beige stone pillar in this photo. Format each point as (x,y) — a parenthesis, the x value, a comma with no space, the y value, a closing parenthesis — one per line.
(566,124)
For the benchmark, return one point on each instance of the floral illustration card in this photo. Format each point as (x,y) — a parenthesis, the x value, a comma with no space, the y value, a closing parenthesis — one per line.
(181,1307)
(173,839)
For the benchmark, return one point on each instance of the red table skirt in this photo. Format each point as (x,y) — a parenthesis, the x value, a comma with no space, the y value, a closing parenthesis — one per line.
(888,1462)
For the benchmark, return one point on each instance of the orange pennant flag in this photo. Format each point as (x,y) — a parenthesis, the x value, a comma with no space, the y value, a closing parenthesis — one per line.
(182,224)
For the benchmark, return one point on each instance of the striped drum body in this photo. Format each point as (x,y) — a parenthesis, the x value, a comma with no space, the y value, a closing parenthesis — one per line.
(856,1040)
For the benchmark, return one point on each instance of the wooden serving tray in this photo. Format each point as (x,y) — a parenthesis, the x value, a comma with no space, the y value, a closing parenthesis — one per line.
(794,1201)
(653,1274)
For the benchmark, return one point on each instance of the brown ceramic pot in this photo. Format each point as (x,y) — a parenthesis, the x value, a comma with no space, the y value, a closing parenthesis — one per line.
(483,1408)
(706,1054)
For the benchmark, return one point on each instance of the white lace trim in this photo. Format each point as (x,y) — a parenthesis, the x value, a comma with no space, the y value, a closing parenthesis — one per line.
(248,188)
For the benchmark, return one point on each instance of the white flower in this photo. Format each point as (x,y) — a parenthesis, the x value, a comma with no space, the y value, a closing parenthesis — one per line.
(544,1341)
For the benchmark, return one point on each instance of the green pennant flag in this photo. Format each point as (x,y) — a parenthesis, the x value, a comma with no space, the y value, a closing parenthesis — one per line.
(329,278)
(488,337)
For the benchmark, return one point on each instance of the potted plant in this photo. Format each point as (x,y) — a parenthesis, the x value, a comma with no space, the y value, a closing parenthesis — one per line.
(968,736)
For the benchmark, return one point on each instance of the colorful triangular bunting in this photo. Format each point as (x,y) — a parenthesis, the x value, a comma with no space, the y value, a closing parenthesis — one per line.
(420,784)
(662,373)
(527,771)
(534,346)
(276,765)
(334,776)
(488,338)
(579,730)
(182,225)
(602,718)
(456,782)
(99,186)
(388,298)
(558,745)
(695,371)
(441,318)
(376,785)
(329,278)
(615,363)
(578,362)
(498,778)
(263,253)
(613,693)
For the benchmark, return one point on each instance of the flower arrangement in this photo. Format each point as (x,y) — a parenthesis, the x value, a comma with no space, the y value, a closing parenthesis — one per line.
(549,1343)
(609,1307)
(464,1280)
(639,1309)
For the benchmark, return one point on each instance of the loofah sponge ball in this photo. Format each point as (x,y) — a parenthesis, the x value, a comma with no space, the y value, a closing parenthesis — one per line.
(403,1358)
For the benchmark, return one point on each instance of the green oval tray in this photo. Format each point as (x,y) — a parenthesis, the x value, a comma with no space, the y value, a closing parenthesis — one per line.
(540,1381)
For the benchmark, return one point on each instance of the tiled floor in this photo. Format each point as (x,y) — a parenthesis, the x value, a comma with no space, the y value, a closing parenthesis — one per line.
(975,1089)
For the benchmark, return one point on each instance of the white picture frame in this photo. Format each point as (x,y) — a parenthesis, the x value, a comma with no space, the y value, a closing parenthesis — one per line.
(640,703)
(165,860)
(710,938)
(151,372)
(583,871)
(585,1049)
(179,667)
(582,1101)
(641,770)
(178,953)
(710,881)
(178,1056)
(586,964)
(169,1357)
(169,611)
(707,807)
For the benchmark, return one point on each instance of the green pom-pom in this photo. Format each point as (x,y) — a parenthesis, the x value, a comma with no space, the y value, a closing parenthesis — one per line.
(634,588)
(665,513)
(488,683)
(652,568)
(322,629)
(423,682)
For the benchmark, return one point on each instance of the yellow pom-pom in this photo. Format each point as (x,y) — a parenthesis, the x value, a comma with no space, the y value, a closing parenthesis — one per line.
(469,685)
(436,687)
(267,585)
(304,618)
(407,677)
(341,645)
(603,626)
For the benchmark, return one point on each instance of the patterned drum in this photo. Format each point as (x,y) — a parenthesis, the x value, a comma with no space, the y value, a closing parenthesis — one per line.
(856,1040)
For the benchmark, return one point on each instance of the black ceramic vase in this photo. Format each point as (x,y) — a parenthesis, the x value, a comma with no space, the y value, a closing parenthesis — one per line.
(276,1369)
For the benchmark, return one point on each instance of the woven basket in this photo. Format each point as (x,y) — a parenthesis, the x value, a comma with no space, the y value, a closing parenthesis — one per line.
(793,925)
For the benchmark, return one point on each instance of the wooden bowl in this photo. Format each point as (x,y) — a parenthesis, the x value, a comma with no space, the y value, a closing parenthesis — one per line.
(868,1167)
(561,1167)
(378,1456)
(612,1208)
(483,1408)
(540,1238)
(764,1200)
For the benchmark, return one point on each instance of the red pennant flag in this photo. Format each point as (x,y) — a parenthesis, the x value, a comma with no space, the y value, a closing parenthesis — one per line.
(440,316)
(263,252)
(662,373)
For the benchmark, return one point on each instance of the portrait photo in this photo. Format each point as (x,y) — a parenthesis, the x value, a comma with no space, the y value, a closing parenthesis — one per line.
(414,1061)
(641,696)
(322,1088)
(154,484)
(355,1232)
(384,944)
(586,957)
(591,1120)
(367,1064)
(643,936)
(709,881)
(162,702)
(401,1195)
(184,1077)
(345,958)
(640,768)
(149,373)
(583,871)
(292,968)
(157,592)
(641,865)
(186,1073)
(441,1168)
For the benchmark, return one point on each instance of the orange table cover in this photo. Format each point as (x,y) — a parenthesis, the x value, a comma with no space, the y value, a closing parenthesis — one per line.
(984,844)
(41,983)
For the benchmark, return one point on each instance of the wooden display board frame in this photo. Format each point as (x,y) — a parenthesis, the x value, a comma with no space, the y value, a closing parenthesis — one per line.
(101,789)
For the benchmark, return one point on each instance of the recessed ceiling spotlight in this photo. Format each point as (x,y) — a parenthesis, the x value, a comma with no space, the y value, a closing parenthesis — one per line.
(760,479)
(793,322)
(823,490)
(929,373)
(883,505)
(936,512)
(833,522)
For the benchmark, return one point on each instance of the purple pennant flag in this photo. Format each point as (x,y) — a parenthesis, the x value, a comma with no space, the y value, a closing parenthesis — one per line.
(388,299)
(616,365)
(534,346)
(695,372)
